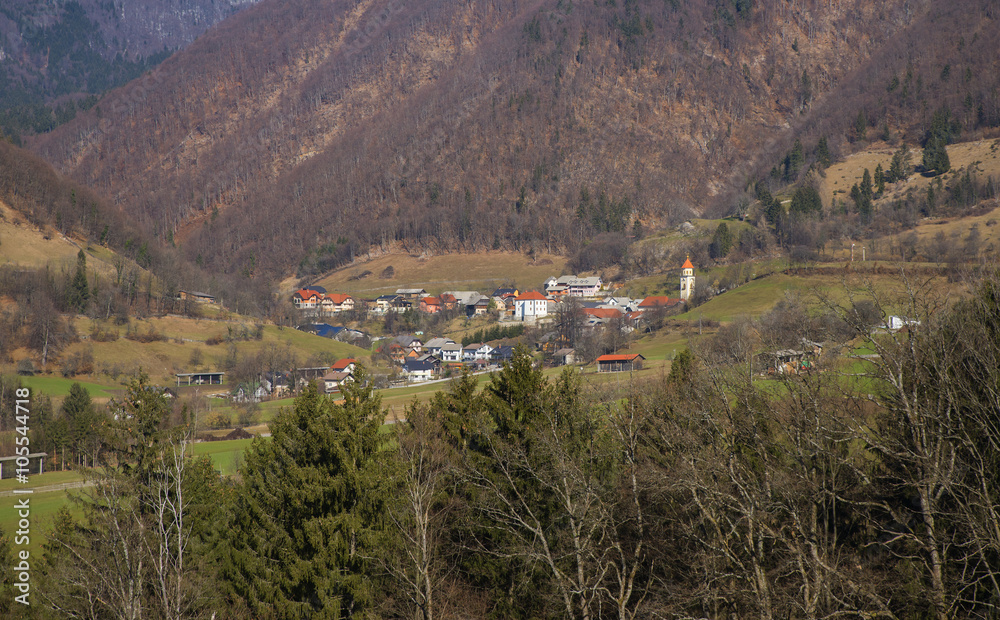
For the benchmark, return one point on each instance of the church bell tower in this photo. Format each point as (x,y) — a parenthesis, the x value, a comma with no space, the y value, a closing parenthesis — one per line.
(687,279)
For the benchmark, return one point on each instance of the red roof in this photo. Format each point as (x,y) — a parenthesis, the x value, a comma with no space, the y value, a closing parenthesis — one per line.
(344,363)
(447,298)
(338,298)
(431,301)
(652,302)
(687,264)
(306,293)
(620,358)
(603,313)
(531,295)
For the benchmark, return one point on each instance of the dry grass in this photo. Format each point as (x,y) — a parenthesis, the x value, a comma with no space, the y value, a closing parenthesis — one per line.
(479,271)
(841,176)
(183,335)
(25,245)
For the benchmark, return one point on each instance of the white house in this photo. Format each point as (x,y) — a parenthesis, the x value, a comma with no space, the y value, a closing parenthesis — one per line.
(451,352)
(574,286)
(417,370)
(334,379)
(476,351)
(531,305)
(434,345)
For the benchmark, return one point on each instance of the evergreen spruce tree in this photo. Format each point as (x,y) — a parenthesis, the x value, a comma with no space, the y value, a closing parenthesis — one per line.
(823,153)
(722,241)
(78,294)
(867,189)
(879,180)
(806,200)
(941,133)
(310,509)
(83,422)
(899,167)
(935,156)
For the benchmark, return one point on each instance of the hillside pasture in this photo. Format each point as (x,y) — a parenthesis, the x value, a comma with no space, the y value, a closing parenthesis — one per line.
(438,273)
(181,336)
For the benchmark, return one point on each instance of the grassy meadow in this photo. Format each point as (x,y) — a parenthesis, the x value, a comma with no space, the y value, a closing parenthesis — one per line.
(481,271)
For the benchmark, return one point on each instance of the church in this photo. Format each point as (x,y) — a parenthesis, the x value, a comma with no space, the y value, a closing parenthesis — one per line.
(687,279)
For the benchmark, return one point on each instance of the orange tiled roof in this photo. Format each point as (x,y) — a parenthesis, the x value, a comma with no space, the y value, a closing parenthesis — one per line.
(342,364)
(652,302)
(531,296)
(603,313)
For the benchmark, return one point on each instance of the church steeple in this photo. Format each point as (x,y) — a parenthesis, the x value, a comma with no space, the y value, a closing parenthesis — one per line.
(687,278)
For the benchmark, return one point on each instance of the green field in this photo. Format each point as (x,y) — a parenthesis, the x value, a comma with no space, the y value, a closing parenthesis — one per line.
(41,480)
(58,387)
(43,508)
(226,455)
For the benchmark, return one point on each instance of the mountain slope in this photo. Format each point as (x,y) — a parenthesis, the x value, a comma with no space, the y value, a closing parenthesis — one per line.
(306,133)
(52,53)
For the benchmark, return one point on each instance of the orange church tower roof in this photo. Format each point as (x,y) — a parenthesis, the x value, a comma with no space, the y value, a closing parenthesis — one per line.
(687,264)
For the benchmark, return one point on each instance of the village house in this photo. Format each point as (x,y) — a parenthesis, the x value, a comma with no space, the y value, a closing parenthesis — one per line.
(302,376)
(434,345)
(306,299)
(417,371)
(401,304)
(345,365)
(276,383)
(248,392)
(573,286)
(385,304)
(333,380)
(411,293)
(430,305)
(659,302)
(333,303)
(476,351)
(503,293)
(448,301)
(530,306)
(564,357)
(604,314)
(620,363)
(451,353)
(502,353)
(409,342)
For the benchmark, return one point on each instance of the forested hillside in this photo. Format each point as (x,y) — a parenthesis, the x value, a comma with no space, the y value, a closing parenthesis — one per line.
(55,57)
(304,134)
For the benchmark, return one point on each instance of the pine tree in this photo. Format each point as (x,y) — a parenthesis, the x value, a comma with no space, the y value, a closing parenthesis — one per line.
(310,509)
